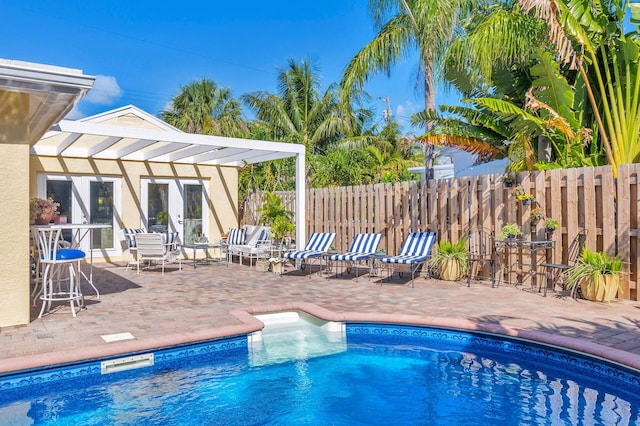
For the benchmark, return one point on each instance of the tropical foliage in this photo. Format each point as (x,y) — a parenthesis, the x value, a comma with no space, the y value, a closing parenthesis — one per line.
(546,83)
(204,107)
(405,27)
(537,102)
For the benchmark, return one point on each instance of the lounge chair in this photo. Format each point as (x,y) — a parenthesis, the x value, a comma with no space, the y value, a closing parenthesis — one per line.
(157,248)
(317,246)
(362,247)
(415,251)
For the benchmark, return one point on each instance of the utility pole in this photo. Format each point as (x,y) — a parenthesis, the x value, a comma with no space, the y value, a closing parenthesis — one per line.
(386,114)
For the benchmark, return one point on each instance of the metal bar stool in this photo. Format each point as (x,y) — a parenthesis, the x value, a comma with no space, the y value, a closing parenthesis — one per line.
(54,260)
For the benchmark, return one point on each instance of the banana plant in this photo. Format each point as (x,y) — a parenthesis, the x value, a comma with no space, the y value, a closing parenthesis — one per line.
(590,37)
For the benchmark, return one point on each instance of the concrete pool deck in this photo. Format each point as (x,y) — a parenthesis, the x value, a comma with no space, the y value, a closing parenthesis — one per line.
(216,300)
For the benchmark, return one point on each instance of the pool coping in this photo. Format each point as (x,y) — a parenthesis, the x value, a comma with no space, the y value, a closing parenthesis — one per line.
(249,324)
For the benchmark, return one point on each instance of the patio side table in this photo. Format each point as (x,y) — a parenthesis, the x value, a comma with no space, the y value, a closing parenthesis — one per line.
(221,248)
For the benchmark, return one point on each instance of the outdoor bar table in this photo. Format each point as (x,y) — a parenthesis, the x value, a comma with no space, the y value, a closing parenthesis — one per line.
(511,252)
(78,232)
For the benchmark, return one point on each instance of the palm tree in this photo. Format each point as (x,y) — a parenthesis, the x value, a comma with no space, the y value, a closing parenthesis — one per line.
(205,108)
(404,27)
(300,111)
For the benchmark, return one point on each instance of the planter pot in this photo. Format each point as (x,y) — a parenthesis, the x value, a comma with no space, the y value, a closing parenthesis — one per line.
(277,267)
(262,265)
(450,269)
(526,202)
(60,220)
(604,290)
(550,230)
(508,184)
(44,220)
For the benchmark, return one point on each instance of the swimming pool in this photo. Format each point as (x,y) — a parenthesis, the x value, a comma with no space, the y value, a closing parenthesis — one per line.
(386,374)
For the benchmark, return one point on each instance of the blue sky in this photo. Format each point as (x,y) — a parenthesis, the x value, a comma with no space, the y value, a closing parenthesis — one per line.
(143,51)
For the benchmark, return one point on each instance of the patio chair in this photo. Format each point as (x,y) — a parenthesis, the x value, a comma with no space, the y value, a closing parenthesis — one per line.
(53,258)
(152,248)
(556,272)
(129,244)
(362,247)
(317,246)
(415,251)
(257,244)
(481,249)
(235,238)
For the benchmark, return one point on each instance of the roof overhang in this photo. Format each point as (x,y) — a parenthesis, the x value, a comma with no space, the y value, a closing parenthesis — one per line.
(35,96)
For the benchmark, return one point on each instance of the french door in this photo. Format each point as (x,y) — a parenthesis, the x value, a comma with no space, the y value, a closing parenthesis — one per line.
(87,199)
(175,205)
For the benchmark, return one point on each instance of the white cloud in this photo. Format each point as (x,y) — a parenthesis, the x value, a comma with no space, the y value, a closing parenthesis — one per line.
(105,91)
(74,114)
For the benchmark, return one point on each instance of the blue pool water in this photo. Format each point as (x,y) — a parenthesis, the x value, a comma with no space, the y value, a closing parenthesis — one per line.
(384,374)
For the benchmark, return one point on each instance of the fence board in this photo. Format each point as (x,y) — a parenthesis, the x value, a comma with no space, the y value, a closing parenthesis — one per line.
(623,224)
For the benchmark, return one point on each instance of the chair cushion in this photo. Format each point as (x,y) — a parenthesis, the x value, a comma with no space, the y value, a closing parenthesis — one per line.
(170,238)
(130,233)
(319,241)
(405,259)
(236,236)
(350,256)
(302,254)
(70,254)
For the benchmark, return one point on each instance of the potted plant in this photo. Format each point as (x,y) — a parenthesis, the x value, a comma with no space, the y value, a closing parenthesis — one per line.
(42,210)
(274,214)
(551,225)
(508,181)
(509,231)
(451,259)
(596,275)
(536,216)
(522,195)
(162,218)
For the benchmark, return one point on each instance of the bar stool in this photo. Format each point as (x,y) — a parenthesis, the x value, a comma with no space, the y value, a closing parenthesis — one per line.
(53,259)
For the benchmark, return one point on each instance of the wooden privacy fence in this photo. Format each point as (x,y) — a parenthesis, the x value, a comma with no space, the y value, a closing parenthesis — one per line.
(588,198)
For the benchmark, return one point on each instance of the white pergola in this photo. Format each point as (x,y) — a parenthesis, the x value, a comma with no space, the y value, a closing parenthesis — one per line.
(89,138)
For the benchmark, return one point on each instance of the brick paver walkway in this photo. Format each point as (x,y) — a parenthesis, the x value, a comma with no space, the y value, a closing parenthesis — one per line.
(195,303)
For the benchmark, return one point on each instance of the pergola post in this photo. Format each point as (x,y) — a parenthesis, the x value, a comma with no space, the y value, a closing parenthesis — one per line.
(301,190)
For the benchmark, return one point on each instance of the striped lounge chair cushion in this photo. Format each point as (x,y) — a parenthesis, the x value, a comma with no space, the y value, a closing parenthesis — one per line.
(416,249)
(363,246)
(236,236)
(317,245)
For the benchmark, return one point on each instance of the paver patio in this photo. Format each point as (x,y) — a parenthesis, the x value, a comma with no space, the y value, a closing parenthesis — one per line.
(209,301)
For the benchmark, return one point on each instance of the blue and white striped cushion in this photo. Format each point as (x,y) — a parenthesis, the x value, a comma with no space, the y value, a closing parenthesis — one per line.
(363,246)
(264,235)
(130,233)
(320,241)
(170,238)
(317,245)
(415,249)
(236,236)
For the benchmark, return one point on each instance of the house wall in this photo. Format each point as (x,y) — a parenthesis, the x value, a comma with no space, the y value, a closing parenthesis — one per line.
(14,202)
(223,185)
